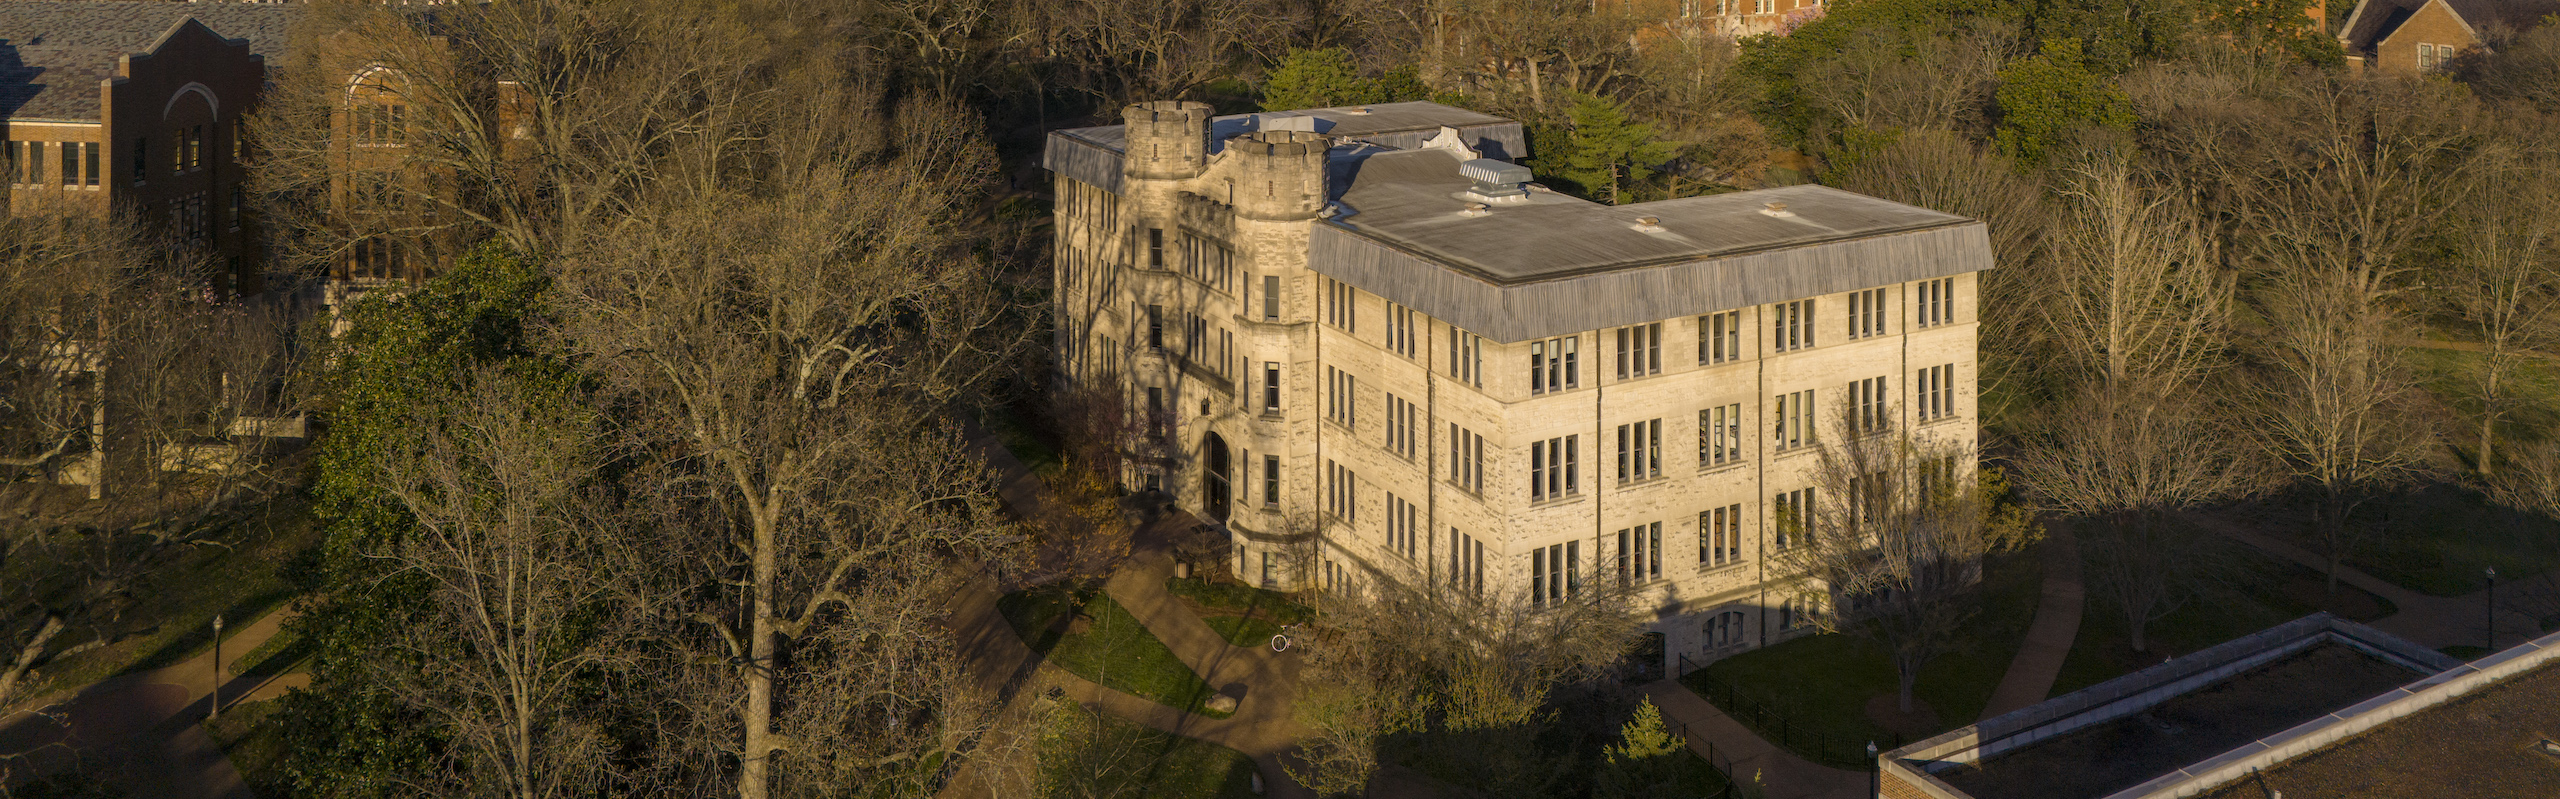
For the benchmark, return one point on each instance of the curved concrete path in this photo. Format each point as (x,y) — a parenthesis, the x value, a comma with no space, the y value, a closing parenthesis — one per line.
(141,732)
(2049,637)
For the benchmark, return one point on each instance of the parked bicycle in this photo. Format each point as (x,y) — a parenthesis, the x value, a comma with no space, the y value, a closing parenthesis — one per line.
(1280,641)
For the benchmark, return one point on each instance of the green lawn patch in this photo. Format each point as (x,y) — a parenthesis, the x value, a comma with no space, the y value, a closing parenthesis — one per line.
(2439,540)
(1810,694)
(1113,650)
(2258,592)
(1027,445)
(242,572)
(1243,630)
(1099,754)
(1243,615)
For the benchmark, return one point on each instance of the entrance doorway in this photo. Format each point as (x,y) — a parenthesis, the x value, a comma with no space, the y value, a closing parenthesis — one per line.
(1215,480)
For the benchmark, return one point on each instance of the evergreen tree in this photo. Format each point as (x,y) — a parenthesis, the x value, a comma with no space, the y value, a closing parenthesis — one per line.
(2046,99)
(1328,77)
(1608,146)
(1646,761)
(1316,79)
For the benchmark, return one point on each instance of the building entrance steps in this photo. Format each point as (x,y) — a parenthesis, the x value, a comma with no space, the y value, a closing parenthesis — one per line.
(2432,621)
(1745,756)
(2049,637)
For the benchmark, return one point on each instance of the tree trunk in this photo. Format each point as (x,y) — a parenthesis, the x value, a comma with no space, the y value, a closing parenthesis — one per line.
(2137,624)
(2333,532)
(27,656)
(753,777)
(2488,416)
(1907,677)
(1537,86)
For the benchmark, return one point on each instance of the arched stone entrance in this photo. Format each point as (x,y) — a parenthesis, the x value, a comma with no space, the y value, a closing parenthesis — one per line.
(1216,481)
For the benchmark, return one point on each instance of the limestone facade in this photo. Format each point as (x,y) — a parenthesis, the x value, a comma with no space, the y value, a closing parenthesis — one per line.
(1343,437)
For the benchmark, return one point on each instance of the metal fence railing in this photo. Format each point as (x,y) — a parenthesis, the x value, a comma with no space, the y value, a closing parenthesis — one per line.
(1785,726)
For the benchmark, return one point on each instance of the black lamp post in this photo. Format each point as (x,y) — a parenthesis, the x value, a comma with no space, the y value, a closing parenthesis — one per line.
(2491,612)
(214,710)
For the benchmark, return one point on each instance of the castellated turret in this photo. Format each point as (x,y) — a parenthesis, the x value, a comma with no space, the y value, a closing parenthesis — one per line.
(1280,174)
(1168,139)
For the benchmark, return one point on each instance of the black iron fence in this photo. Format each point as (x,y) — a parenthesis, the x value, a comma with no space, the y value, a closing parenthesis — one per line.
(1789,727)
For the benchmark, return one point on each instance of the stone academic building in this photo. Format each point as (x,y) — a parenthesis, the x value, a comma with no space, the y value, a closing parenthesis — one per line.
(1372,349)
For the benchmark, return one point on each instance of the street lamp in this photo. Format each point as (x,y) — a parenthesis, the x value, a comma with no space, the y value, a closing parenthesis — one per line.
(2491,611)
(214,710)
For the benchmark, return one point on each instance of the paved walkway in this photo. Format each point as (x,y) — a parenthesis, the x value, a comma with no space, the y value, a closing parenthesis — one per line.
(141,731)
(2430,621)
(1262,727)
(2057,623)
(1744,755)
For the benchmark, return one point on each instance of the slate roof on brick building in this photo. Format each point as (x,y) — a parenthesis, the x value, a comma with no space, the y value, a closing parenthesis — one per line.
(53,53)
(2376,20)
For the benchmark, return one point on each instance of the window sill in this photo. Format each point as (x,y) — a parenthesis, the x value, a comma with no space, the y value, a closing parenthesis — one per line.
(1795,451)
(1942,420)
(1733,563)
(1550,502)
(1726,466)
(1640,482)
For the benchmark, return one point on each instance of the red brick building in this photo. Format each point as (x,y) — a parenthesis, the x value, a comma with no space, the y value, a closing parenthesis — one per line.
(2417,36)
(136,107)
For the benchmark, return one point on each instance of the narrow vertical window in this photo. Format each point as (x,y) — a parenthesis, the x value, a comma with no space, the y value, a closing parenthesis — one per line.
(70,174)
(1270,387)
(1270,296)
(89,164)
(1271,480)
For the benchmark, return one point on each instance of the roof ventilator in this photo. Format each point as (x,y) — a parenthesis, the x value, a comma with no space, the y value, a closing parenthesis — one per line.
(1495,178)
(1476,209)
(1777,209)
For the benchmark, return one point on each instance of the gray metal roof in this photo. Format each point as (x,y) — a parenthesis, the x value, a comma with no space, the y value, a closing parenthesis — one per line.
(53,53)
(1547,264)
(1092,155)
(1417,200)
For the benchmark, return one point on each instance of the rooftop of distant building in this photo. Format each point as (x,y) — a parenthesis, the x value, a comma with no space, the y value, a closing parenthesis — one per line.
(53,53)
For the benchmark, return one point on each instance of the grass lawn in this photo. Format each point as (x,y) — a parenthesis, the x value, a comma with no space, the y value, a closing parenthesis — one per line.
(2260,592)
(2439,539)
(1243,615)
(1017,435)
(1810,694)
(254,744)
(1116,652)
(242,576)
(1104,755)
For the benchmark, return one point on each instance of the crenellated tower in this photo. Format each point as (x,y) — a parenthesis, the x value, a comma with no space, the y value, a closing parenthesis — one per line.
(1167,139)
(1280,174)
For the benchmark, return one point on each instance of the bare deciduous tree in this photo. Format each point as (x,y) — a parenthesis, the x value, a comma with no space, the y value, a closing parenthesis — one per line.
(2123,459)
(2504,278)
(1474,674)
(788,309)
(514,534)
(1921,78)
(1893,543)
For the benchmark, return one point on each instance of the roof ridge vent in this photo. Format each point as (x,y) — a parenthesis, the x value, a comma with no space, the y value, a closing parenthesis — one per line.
(1776,209)
(1495,178)
(1477,209)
